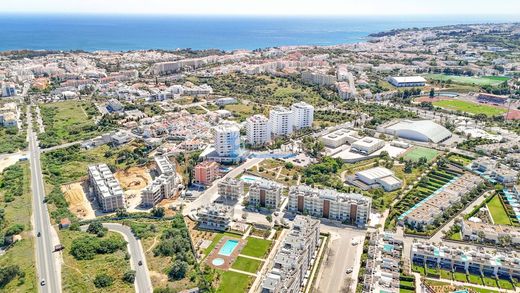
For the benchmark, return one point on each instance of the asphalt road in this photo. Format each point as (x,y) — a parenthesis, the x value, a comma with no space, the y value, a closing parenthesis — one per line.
(142,276)
(45,259)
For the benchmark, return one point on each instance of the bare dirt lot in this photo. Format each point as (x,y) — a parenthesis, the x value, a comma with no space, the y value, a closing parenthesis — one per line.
(77,199)
(133,180)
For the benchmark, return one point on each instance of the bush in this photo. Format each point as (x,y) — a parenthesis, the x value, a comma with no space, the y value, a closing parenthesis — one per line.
(95,228)
(129,276)
(178,270)
(103,281)
(7,274)
(87,247)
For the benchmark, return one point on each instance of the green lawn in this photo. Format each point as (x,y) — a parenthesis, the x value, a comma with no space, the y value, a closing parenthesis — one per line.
(469,80)
(231,282)
(418,269)
(469,107)
(498,211)
(256,247)
(474,279)
(505,284)
(246,264)
(489,282)
(417,152)
(446,274)
(460,277)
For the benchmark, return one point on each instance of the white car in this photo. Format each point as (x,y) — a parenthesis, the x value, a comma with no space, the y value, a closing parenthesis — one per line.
(354,242)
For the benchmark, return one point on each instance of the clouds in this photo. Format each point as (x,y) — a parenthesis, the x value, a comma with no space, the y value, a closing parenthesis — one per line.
(266,7)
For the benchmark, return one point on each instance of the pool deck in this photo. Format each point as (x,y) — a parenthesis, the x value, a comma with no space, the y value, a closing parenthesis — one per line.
(228,260)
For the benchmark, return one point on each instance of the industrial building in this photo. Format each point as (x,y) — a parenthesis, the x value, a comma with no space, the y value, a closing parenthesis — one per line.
(265,194)
(106,188)
(377,177)
(407,81)
(294,258)
(367,145)
(339,137)
(418,130)
(349,208)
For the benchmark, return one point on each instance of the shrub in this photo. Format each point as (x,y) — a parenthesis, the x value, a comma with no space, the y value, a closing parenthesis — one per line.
(129,276)
(103,281)
(178,270)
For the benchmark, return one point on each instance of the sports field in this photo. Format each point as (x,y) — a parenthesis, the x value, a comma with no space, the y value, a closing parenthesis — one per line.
(469,107)
(469,80)
(417,152)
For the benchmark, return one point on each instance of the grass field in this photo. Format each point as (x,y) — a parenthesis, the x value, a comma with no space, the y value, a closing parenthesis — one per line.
(78,275)
(469,107)
(498,211)
(256,247)
(469,80)
(246,264)
(68,121)
(21,253)
(417,152)
(231,282)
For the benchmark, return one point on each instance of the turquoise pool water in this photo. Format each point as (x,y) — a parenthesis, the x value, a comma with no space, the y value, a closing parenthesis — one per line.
(217,261)
(228,247)
(249,179)
(388,247)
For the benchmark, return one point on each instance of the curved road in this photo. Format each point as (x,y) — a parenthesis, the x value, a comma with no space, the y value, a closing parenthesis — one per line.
(143,284)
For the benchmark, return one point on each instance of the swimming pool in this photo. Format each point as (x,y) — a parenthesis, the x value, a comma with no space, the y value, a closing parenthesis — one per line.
(228,247)
(218,262)
(388,247)
(249,179)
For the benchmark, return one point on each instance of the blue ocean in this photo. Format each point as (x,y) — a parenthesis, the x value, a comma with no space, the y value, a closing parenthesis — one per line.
(125,32)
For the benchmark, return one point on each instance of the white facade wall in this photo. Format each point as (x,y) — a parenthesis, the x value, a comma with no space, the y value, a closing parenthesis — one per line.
(303,115)
(281,121)
(258,130)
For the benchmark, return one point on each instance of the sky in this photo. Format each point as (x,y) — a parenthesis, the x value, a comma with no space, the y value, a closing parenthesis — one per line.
(266,7)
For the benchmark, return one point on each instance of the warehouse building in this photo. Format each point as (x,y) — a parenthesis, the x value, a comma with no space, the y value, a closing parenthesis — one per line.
(418,130)
(407,81)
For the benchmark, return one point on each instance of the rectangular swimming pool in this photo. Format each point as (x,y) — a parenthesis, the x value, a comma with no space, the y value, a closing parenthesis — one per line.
(228,247)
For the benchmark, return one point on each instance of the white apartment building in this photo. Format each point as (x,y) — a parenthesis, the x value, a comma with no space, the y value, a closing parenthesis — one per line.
(231,188)
(294,257)
(215,217)
(163,186)
(350,208)
(265,194)
(281,121)
(303,115)
(227,140)
(106,188)
(318,78)
(490,233)
(257,130)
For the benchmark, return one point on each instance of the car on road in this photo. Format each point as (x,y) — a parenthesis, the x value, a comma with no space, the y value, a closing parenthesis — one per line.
(140,263)
(42,282)
(39,234)
(354,242)
(58,247)
(349,270)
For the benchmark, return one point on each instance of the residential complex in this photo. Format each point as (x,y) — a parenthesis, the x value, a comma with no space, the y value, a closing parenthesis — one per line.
(215,217)
(295,256)
(426,211)
(281,121)
(350,208)
(231,188)
(473,230)
(206,172)
(471,261)
(494,171)
(227,140)
(258,130)
(106,188)
(265,194)
(302,115)
(383,266)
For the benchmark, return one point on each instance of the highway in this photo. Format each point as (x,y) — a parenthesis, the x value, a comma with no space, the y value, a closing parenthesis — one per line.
(45,258)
